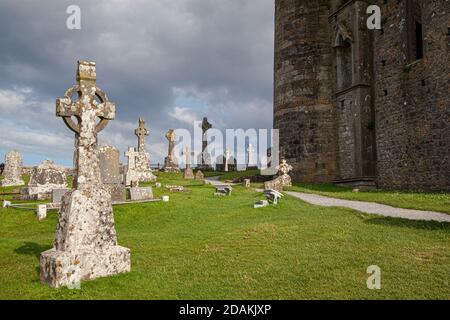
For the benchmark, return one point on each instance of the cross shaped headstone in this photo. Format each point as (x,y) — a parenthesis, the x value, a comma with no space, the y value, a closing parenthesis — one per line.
(284,167)
(171,137)
(80,116)
(131,155)
(141,132)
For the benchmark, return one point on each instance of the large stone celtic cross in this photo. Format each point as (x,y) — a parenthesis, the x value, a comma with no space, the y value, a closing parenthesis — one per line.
(80,107)
(85,246)
(141,133)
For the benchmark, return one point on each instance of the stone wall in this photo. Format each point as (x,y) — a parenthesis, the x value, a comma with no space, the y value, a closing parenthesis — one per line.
(412,99)
(391,119)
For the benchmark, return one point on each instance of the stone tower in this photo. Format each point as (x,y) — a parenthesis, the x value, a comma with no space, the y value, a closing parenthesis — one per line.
(303,106)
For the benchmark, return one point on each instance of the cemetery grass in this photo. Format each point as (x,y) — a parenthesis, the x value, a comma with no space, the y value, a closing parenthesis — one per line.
(201,247)
(439,202)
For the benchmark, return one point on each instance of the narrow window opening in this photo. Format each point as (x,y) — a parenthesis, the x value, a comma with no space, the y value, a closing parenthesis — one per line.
(415,48)
(419,41)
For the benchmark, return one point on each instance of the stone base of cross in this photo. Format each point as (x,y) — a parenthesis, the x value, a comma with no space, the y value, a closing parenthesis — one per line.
(170,165)
(86,244)
(188,174)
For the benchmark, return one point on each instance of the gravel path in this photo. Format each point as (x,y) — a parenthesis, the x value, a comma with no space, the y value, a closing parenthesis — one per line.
(372,208)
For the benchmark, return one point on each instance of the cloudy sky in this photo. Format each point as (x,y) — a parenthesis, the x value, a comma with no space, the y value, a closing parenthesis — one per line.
(171,62)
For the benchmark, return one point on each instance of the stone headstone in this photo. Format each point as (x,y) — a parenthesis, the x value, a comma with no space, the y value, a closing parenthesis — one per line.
(273,196)
(199,176)
(141,194)
(284,180)
(12,174)
(85,246)
(138,168)
(42,211)
(275,184)
(170,163)
(261,204)
(57,195)
(109,159)
(44,178)
(247,183)
(223,190)
(188,173)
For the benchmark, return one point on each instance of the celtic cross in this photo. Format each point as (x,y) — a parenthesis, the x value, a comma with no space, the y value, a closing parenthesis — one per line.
(141,133)
(80,107)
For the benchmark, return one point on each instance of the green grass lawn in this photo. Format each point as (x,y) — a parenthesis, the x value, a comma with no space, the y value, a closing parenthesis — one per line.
(402,199)
(201,247)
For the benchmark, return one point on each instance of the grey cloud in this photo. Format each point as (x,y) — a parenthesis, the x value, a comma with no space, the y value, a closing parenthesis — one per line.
(220,52)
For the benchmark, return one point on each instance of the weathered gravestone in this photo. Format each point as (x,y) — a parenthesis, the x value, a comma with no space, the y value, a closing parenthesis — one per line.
(12,174)
(188,173)
(273,196)
(41,211)
(223,190)
(139,193)
(43,179)
(138,168)
(85,245)
(58,194)
(109,158)
(199,176)
(275,184)
(261,204)
(170,163)
(284,169)
(283,180)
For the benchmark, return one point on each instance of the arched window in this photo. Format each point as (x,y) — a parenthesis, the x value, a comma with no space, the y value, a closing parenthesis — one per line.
(344,63)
